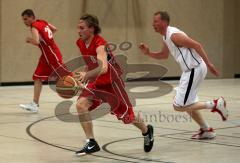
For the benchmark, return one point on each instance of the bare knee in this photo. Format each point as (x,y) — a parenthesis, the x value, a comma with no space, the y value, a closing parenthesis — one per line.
(178,108)
(82,105)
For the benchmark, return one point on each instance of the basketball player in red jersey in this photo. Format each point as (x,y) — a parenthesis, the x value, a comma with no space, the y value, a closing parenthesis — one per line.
(51,59)
(102,73)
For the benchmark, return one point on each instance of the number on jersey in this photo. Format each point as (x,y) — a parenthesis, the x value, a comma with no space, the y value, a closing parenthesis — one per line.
(48,30)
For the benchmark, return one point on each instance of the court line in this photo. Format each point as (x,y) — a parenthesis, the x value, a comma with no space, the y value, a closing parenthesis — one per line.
(168,136)
(201,141)
(28,130)
(185,131)
(104,146)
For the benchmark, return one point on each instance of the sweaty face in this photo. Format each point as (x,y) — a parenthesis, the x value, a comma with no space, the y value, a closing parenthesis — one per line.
(27,20)
(83,30)
(158,24)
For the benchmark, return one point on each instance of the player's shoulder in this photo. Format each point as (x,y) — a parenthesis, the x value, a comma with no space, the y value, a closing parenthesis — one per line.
(99,37)
(79,42)
(99,40)
(172,30)
(38,23)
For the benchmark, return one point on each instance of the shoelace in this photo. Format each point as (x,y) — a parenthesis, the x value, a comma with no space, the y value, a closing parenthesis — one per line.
(86,145)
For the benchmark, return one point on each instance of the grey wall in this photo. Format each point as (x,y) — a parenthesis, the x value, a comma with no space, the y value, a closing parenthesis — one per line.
(214,23)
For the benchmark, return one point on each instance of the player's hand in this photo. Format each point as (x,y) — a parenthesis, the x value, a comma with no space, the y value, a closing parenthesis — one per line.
(80,76)
(213,69)
(80,85)
(144,48)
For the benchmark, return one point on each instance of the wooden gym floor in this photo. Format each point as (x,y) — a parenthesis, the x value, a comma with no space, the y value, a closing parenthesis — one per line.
(45,137)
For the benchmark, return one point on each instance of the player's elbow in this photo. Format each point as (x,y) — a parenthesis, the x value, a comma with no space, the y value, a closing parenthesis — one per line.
(197,46)
(104,69)
(54,30)
(165,56)
(36,42)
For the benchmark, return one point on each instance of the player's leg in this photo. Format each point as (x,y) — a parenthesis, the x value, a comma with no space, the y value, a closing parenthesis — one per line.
(84,116)
(186,100)
(34,105)
(147,132)
(41,74)
(83,106)
(37,90)
(218,105)
(125,111)
(139,123)
(205,132)
(198,118)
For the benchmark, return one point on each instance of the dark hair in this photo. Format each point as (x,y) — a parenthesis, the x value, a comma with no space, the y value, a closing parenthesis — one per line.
(92,21)
(28,12)
(164,16)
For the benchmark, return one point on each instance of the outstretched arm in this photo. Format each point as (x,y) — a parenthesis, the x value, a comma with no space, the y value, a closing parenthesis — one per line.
(182,40)
(163,54)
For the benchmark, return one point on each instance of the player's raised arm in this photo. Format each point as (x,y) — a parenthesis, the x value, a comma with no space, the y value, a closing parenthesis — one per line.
(53,28)
(182,40)
(35,37)
(163,54)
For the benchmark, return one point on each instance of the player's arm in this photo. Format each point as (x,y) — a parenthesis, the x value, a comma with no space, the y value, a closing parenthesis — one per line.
(53,28)
(182,40)
(163,54)
(102,66)
(35,37)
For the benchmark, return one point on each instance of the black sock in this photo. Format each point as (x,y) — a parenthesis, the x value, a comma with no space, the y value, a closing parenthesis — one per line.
(92,139)
(146,133)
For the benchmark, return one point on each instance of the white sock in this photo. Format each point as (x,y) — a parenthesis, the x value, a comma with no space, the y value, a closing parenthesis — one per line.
(205,126)
(35,103)
(210,104)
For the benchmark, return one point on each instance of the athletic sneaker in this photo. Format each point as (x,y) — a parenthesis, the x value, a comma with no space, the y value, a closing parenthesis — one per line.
(148,139)
(204,134)
(90,147)
(32,107)
(220,107)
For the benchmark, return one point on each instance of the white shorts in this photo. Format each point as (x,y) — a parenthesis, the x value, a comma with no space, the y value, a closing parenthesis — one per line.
(189,84)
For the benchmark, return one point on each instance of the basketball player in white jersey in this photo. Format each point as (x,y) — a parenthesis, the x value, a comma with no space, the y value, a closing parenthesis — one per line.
(194,63)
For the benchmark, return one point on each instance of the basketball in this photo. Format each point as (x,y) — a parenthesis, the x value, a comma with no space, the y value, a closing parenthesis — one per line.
(67,87)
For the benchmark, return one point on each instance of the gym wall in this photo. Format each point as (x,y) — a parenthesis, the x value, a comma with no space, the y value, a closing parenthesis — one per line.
(214,23)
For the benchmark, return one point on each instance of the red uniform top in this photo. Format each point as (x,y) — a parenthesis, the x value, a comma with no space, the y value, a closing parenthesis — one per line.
(47,44)
(90,57)
(51,58)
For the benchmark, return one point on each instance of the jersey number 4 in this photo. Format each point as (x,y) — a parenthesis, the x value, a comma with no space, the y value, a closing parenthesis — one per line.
(49,32)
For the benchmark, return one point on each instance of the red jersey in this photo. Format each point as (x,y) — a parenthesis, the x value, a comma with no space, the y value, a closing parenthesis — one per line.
(47,44)
(90,57)
(51,58)
(107,87)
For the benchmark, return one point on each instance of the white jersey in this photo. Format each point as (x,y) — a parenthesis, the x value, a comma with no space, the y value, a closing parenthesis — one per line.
(188,58)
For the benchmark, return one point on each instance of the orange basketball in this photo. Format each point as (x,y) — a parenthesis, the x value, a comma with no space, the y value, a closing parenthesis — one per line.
(67,87)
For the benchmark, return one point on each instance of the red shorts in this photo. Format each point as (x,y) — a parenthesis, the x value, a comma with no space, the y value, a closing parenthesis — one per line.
(124,109)
(52,67)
